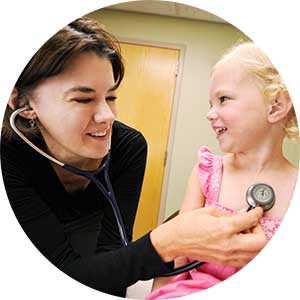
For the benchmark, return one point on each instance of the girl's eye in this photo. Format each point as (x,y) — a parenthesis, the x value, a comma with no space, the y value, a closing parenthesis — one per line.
(223,99)
(111,98)
(83,100)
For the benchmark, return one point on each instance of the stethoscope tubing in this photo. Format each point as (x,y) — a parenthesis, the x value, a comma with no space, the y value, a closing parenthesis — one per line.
(108,194)
(192,265)
(91,175)
(25,139)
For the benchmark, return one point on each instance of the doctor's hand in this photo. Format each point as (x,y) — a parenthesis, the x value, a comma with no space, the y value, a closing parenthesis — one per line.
(210,235)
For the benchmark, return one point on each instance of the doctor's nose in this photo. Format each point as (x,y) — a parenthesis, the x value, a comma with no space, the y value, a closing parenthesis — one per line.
(104,114)
(212,115)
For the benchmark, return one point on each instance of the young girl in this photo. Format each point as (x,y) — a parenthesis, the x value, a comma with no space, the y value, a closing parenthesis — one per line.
(251,113)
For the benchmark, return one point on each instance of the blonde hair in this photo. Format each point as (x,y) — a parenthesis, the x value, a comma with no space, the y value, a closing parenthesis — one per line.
(257,64)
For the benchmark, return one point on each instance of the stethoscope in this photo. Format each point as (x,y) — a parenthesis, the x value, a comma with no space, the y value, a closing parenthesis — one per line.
(259,194)
(91,175)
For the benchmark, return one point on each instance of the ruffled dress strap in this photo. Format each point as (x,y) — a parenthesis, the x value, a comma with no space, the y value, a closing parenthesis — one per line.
(210,174)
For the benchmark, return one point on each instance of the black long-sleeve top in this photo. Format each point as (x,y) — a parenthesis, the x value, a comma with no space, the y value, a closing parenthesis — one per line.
(78,233)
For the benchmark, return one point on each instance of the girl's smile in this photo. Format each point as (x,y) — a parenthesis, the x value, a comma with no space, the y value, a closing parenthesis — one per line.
(238,113)
(219,130)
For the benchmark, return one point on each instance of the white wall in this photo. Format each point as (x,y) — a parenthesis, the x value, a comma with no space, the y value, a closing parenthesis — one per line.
(204,42)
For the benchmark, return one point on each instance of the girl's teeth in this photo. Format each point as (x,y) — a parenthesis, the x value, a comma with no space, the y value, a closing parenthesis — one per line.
(222,129)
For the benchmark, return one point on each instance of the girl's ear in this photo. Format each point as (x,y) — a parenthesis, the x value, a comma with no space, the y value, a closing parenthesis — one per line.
(279,108)
(28,114)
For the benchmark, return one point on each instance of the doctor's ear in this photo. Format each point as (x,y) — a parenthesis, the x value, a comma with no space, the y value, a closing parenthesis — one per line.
(15,102)
(280,107)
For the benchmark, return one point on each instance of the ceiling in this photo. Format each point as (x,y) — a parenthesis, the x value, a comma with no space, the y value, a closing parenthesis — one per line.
(165,8)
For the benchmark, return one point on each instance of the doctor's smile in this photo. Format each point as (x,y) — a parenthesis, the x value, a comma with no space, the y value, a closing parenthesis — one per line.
(98,134)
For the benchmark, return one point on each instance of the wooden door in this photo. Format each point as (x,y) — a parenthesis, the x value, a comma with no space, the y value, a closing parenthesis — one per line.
(145,100)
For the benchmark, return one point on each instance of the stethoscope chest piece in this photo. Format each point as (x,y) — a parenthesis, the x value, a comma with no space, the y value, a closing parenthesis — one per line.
(260,194)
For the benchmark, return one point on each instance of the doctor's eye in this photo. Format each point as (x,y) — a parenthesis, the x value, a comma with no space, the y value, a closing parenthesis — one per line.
(82,100)
(111,98)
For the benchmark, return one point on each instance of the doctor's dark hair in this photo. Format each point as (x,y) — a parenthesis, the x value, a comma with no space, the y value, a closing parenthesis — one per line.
(81,35)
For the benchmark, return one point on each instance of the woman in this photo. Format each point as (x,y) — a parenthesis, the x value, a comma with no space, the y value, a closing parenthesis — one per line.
(70,85)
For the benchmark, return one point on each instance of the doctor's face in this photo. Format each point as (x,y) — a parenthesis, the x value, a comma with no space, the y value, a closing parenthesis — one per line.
(76,109)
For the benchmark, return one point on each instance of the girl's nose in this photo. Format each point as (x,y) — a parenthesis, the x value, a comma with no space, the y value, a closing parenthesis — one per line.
(104,114)
(212,115)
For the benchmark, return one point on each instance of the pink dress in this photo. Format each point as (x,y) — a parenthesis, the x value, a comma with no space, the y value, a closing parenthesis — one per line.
(210,176)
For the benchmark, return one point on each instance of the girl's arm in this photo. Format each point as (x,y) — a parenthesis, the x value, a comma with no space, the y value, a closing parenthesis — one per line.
(193,199)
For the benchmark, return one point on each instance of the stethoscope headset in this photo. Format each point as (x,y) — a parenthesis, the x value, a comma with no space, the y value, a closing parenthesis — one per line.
(259,194)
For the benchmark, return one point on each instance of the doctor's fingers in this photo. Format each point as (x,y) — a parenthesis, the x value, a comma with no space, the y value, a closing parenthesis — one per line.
(215,212)
(242,221)
(249,243)
(226,258)
(242,249)
(238,260)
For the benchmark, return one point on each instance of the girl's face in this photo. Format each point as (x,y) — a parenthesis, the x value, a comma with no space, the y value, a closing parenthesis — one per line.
(76,109)
(238,113)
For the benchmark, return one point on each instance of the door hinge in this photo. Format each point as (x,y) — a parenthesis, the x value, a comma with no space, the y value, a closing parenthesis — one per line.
(165,160)
(177,69)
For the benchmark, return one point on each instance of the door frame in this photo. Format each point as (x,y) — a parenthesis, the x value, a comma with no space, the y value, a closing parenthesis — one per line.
(176,98)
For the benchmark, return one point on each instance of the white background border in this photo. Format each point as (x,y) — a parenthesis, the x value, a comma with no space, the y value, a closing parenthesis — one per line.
(25,25)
